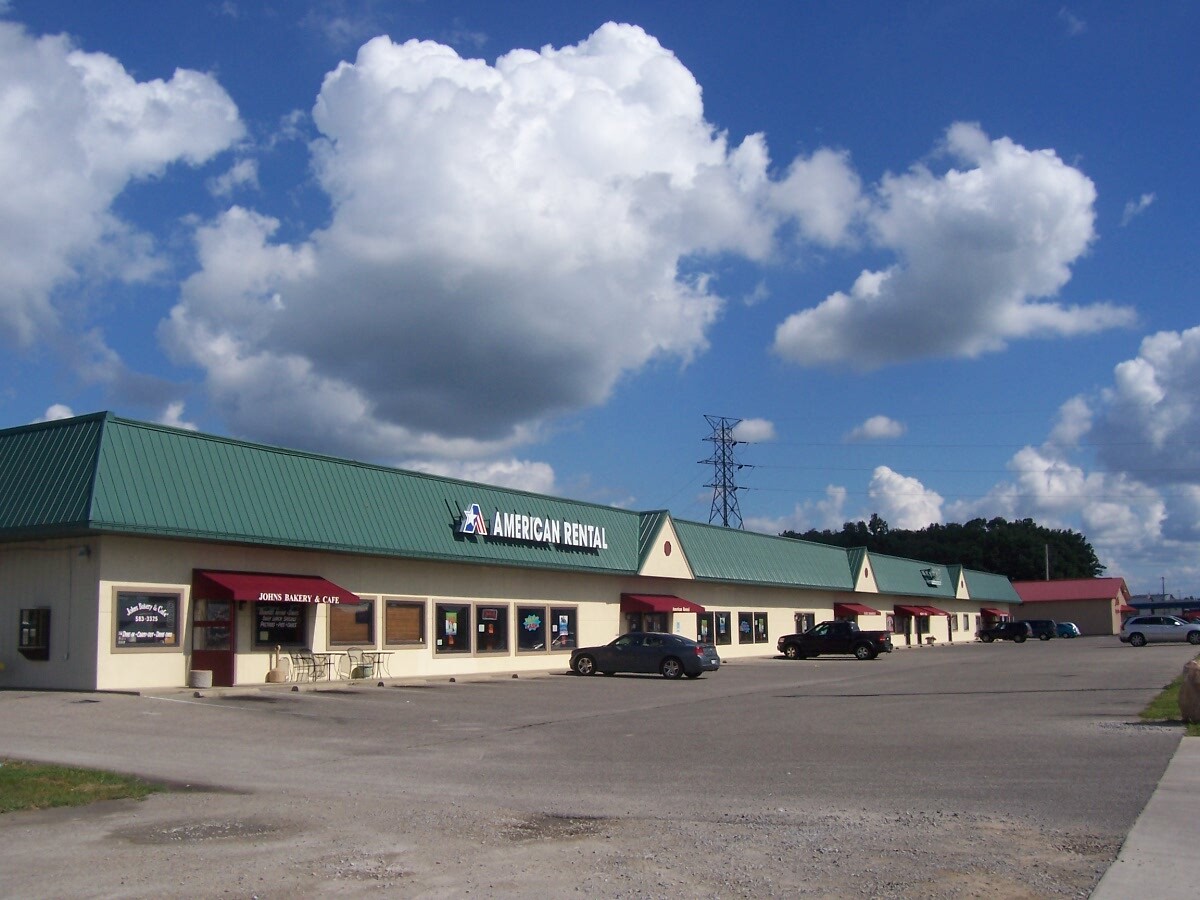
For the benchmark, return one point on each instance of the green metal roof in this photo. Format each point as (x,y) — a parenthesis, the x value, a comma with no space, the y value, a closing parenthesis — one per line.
(913,578)
(154,480)
(730,554)
(986,587)
(104,474)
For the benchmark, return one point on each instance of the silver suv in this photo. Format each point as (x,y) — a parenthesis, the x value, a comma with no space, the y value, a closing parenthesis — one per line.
(1139,630)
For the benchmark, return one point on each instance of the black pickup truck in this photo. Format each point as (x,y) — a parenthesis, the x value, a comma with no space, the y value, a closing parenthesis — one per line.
(835,637)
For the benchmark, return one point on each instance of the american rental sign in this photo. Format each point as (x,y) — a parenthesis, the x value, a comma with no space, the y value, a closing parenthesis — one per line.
(533,529)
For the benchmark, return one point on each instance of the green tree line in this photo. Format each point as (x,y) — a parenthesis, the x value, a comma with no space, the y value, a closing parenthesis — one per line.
(1019,550)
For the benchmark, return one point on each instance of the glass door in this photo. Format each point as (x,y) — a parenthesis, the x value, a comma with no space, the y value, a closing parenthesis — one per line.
(213,639)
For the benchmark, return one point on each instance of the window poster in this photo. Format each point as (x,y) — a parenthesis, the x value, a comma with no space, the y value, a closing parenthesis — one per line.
(147,620)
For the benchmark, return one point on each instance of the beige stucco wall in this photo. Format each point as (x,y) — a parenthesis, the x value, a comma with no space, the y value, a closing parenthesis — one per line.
(61,576)
(85,655)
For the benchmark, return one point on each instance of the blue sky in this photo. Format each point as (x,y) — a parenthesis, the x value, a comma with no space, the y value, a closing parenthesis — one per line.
(939,258)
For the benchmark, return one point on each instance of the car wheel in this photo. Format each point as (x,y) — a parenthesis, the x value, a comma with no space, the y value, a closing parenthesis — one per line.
(986,638)
(693,674)
(1137,639)
(864,651)
(1194,637)
(1019,639)
(1043,637)
(792,651)
(585,665)
(671,668)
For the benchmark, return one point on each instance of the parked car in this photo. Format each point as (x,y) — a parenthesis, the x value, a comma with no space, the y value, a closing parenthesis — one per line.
(1017,632)
(1043,629)
(1067,630)
(1140,630)
(835,637)
(647,652)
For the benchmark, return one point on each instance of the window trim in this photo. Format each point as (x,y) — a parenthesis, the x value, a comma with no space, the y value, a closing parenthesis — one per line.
(34,621)
(180,610)
(420,602)
(372,638)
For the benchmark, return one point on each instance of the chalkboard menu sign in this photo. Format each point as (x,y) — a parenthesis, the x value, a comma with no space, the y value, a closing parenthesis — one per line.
(147,620)
(280,623)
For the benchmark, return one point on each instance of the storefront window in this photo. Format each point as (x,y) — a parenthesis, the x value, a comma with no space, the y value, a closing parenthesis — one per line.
(452,622)
(760,628)
(563,634)
(352,623)
(147,620)
(491,629)
(404,622)
(546,627)
(745,628)
(724,626)
(704,628)
(33,634)
(280,624)
(531,628)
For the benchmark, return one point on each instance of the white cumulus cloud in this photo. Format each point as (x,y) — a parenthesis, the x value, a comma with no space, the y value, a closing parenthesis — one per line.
(981,253)
(903,501)
(75,130)
(877,428)
(754,431)
(508,240)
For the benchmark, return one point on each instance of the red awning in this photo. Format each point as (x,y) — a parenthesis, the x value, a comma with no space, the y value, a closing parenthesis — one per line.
(934,611)
(659,603)
(993,612)
(853,609)
(1126,608)
(911,610)
(268,587)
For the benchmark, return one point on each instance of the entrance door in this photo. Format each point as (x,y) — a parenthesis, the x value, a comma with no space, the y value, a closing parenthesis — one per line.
(213,639)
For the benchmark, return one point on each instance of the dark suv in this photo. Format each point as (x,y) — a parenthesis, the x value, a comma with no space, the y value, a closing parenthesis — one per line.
(1043,629)
(1017,632)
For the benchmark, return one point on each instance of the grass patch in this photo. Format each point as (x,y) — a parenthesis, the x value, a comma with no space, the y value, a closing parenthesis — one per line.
(25,786)
(1165,708)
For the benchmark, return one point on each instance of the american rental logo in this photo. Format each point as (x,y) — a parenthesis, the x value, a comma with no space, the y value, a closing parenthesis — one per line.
(534,529)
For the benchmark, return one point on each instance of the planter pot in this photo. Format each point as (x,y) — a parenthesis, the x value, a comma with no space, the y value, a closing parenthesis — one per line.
(200,678)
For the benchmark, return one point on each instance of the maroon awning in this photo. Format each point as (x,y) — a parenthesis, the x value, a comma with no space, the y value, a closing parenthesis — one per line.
(993,612)
(934,611)
(853,609)
(911,611)
(658,603)
(268,587)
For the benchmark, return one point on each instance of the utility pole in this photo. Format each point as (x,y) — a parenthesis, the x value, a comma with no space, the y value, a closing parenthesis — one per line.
(725,466)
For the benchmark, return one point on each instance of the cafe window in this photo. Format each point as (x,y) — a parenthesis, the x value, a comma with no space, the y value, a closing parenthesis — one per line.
(452,627)
(745,628)
(33,633)
(547,627)
(491,629)
(761,634)
(352,623)
(404,622)
(281,624)
(147,620)
(724,627)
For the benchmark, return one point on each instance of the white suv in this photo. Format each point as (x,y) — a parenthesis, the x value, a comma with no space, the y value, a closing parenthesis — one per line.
(1140,629)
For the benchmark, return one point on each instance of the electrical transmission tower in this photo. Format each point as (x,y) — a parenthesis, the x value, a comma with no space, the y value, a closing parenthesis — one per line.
(725,467)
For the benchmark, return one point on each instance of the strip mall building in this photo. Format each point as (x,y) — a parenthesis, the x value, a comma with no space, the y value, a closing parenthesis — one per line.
(132,555)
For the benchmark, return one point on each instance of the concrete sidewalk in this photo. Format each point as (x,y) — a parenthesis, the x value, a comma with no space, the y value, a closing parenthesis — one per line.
(1158,857)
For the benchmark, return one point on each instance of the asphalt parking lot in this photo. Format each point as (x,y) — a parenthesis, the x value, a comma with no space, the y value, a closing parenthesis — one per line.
(927,772)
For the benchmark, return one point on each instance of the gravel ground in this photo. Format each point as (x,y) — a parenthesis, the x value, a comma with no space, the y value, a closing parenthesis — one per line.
(762,781)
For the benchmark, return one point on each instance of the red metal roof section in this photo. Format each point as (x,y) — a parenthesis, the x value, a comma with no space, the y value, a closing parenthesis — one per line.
(662,603)
(267,587)
(1071,589)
